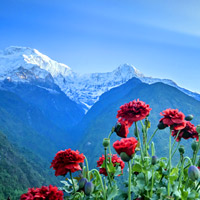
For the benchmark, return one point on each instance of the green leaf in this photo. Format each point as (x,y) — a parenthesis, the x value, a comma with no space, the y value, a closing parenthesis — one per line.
(112,192)
(118,171)
(184,194)
(137,168)
(173,175)
(111,167)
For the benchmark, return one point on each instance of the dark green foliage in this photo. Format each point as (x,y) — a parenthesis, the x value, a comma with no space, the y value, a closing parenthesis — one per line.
(20,169)
(26,126)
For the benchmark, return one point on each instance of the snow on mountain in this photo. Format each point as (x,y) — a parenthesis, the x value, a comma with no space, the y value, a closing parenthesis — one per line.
(25,64)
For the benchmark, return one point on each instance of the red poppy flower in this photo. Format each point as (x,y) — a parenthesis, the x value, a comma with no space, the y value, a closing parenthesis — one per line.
(126,145)
(50,192)
(115,160)
(173,118)
(133,111)
(123,130)
(67,161)
(188,132)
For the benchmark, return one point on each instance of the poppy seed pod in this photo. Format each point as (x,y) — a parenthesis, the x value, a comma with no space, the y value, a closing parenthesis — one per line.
(125,157)
(117,127)
(194,145)
(154,160)
(161,126)
(193,173)
(181,149)
(189,117)
(106,142)
(82,183)
(89,188)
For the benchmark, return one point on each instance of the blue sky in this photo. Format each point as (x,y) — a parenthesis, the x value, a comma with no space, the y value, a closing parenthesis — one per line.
(160,38)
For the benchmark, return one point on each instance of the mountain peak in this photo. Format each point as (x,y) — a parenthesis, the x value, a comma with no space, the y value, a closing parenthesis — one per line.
(17,50)
(127,69)
(15,57)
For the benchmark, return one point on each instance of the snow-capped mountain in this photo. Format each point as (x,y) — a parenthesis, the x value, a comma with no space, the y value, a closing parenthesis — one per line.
(22,64)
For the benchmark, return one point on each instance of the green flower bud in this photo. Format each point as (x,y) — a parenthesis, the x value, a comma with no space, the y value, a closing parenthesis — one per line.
(125,157)
(147,123)
(193,173)
(117,127)
(82,183)
(181,149)
(89,188)
(189,117)
(194,145)
(154,160)
(106,142)
(198,129)
(161,126)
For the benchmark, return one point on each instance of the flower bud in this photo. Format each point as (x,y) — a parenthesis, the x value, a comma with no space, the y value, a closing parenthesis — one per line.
(198,129)
(106,142)
(194,145)
(147,123)
(117,127)
(189,117)
(193,173)
(154,160)
(125,157)
(161,126)
(89,188)
(82,183)
(181,149)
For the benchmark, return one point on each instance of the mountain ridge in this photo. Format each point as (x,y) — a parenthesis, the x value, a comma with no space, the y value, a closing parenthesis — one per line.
(23,64)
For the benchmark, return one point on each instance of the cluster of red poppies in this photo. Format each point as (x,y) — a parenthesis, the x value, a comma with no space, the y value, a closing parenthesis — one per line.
(115,159)
(69,160)
(50,192)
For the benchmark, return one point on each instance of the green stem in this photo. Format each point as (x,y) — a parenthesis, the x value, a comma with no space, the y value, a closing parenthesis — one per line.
(152,137)
(101,182)
(144,128)
(107,167)
(129,181)
(188,160)
(152,182)
(141,151)
(170,151)
(111,132)
(182,165)
(176,149)
(195,156)
(176,139)
(110,154)
(87,168)
(72,181)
